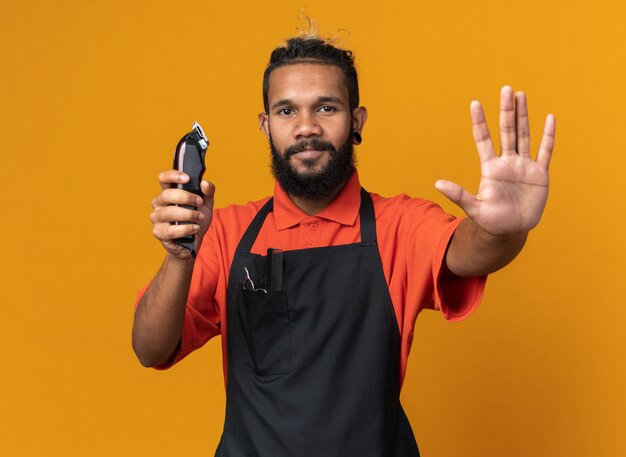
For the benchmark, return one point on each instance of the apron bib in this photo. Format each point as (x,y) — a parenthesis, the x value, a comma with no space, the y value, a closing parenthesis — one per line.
(313,365)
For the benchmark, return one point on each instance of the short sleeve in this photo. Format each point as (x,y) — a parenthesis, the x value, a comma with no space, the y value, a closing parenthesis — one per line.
(455,296)
(202,313)
(413,237)
(430,232)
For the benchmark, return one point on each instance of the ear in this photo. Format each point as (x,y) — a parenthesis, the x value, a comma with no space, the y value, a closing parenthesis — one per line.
(359,116)
(264,124)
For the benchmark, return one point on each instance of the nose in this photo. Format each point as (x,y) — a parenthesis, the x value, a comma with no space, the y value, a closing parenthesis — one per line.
(307,126)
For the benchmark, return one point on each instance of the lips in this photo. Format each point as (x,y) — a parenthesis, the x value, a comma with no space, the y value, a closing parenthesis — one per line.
(309,153)
(308,148)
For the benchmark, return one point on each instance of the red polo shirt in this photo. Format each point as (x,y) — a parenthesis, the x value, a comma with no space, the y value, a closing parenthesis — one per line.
(413,235)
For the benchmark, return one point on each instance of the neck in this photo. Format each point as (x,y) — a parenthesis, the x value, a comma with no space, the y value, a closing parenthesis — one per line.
(313,206)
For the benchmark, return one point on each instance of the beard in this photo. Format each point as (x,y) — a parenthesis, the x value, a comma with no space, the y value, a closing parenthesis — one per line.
(311,184)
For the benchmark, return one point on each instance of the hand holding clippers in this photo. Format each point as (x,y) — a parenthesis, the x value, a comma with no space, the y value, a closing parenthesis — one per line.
(189,158)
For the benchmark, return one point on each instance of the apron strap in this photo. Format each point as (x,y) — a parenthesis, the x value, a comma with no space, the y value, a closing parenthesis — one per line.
(366,212)
(368,218)
(249,237)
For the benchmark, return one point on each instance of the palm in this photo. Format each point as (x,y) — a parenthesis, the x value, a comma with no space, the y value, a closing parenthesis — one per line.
(513,188)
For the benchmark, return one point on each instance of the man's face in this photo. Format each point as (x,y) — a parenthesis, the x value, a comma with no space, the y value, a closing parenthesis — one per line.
(309,125)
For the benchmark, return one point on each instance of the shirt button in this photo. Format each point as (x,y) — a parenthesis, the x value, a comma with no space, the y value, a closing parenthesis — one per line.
(313,226)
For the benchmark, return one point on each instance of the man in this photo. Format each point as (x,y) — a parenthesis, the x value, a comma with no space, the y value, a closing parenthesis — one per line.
(315,292)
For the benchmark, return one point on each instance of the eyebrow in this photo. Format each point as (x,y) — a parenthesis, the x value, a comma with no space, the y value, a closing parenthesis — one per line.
(322,99)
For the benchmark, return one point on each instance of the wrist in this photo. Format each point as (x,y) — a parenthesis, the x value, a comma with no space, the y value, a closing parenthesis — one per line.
(177,262)
(475,252)
(484,238)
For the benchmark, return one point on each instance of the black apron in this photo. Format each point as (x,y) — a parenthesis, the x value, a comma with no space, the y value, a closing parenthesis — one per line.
(313,364)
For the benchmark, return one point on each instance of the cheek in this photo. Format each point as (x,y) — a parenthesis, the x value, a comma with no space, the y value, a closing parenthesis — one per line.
(278,141)
(341,126)
(278,132)
(341,135)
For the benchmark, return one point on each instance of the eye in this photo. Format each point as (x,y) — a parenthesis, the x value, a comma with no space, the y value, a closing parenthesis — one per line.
(327,109)
(286,112)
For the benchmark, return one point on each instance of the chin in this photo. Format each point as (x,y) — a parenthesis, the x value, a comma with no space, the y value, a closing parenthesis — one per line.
(309,167)
(309,170)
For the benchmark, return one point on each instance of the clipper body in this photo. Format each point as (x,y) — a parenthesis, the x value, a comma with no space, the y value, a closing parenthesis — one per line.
(189,158)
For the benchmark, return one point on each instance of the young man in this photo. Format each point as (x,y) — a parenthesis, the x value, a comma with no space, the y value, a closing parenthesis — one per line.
(315,291)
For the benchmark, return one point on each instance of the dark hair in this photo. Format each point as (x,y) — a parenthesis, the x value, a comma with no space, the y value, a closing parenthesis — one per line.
(307,49)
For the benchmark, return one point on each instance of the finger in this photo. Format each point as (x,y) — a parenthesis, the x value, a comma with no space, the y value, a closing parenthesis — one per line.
(459,196)
(522,126)
(169,177)
(547,142)
(175,214)
(171,196)
(167,232)
(507,122)
(208,189)
(481,132)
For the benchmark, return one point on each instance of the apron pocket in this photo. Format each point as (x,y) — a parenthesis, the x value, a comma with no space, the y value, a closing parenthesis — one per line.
(266,327)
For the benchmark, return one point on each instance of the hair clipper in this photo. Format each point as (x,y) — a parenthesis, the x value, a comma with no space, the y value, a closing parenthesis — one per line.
(189,158)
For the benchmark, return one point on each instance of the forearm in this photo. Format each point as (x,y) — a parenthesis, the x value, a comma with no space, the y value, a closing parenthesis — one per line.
(475,252)
(160,314)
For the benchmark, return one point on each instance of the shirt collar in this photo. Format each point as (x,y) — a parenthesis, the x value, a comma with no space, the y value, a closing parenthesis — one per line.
(343,209)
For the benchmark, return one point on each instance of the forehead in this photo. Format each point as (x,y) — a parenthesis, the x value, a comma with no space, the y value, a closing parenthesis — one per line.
(307,80)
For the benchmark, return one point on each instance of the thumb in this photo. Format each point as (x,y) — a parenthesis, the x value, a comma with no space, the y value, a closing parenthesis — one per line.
(458,196)
(208,189)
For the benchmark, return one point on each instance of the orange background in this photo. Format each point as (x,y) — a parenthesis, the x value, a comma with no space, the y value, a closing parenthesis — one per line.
(95,96)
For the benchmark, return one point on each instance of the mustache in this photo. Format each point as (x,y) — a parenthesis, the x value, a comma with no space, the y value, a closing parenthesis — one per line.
(314,143)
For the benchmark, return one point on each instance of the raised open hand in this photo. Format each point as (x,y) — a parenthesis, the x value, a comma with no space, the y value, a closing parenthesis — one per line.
(513,187)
